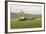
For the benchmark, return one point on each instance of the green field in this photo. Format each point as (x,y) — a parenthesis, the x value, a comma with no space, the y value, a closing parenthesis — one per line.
(34,23)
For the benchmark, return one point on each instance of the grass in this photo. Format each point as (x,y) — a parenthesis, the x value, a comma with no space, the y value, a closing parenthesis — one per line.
(26,23)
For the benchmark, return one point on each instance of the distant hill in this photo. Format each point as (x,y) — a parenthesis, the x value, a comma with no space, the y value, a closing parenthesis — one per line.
(13,15)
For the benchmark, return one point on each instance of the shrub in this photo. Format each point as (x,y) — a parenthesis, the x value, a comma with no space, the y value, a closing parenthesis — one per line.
(25,18)
(21,19)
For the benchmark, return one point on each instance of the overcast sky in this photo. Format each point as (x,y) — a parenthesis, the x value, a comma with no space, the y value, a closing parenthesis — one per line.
(29,9)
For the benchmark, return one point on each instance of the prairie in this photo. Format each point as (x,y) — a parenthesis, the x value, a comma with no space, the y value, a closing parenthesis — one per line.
(34,23)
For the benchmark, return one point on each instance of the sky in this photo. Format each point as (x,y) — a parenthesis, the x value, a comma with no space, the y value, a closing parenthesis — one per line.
(29,9)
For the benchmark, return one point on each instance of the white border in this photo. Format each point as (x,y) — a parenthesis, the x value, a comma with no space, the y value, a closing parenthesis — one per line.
(27,29)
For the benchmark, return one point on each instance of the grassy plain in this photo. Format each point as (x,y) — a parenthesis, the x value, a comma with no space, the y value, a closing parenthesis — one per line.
(34,23)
